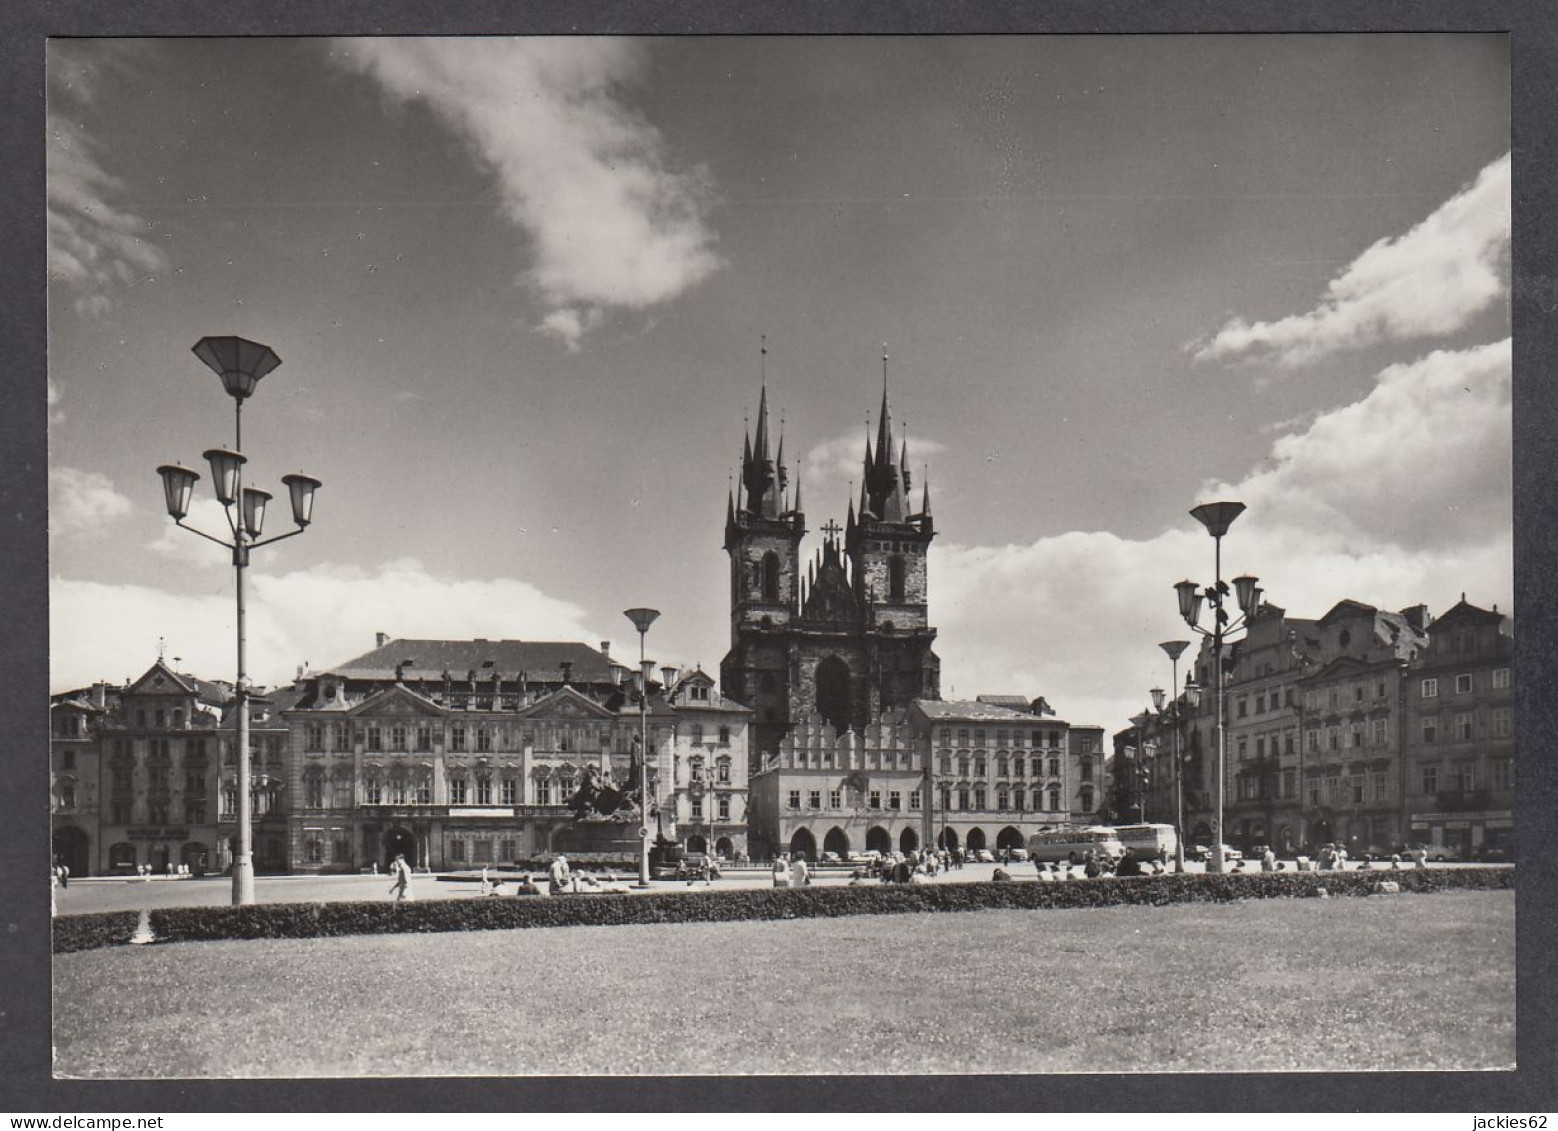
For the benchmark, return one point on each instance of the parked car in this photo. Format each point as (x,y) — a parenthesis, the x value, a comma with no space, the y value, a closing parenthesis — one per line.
(871,856)
(1018,854)
(984,856)
(831,858)
(1203,853)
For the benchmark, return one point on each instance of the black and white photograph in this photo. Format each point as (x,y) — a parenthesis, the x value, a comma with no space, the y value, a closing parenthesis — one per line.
(661,556)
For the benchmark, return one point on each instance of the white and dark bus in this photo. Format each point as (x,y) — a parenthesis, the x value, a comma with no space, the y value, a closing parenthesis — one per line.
(1148,842)
(1071,844)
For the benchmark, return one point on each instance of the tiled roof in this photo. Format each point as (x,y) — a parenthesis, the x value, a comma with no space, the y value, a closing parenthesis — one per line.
(972,709)
(1012,702)
(429,659)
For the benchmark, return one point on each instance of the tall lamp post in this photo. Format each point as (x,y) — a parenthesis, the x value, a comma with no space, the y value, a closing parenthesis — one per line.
(1217,517)
(240,364)
(1176,648)
(642,619)
(1139,772)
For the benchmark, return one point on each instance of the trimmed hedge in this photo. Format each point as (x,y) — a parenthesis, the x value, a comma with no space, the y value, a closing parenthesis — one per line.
(93,930)
(319,920)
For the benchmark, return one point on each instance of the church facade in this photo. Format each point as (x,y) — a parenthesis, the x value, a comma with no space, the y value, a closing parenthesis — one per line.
(848,640)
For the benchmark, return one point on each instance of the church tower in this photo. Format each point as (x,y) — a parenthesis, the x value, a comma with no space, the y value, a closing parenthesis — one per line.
(853,638)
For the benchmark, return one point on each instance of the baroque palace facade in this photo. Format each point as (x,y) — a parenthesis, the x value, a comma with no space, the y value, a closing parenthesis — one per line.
(457,753)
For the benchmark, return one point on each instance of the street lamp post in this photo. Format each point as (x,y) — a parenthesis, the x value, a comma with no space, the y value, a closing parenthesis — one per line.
(1217,518)
(1175,648)
(240,364)
(1140,775)
(642,619)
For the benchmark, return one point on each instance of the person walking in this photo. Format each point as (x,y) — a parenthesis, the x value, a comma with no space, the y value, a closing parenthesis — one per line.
(801,873)
(64,874)
(781,871)
(400,871)
(1268,860)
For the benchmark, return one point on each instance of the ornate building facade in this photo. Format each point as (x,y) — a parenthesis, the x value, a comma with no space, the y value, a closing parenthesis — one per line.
(851,639)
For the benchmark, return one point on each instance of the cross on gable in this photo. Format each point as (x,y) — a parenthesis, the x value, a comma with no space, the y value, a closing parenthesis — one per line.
(832,530)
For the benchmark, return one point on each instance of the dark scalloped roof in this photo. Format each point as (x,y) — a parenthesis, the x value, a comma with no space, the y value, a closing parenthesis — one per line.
(429,659)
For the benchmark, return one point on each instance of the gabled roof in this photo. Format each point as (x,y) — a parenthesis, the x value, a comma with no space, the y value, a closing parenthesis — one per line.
(1347,608)
(1010,702)
(1337,667)
(1464,612)
(410,701)
(541,660)
(172,682)
(569,701)
(973,710)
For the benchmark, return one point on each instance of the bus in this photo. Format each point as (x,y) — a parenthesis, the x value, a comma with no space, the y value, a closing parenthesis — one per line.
(1148,842)
(1055,845)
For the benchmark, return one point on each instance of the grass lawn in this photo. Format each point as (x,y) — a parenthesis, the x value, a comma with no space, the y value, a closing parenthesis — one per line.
(1397,982)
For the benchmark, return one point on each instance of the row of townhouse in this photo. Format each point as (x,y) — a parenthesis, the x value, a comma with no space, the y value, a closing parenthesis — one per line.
(451,752)
(1366,727)
(976,774)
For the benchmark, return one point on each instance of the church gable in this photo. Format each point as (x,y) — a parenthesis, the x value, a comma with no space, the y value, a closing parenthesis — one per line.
(397,700)
(160,679)
(564,703)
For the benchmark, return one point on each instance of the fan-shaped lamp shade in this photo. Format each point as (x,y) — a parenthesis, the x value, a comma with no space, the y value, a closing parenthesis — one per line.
(1217,517)
(642,618)
(239,362)
(178,483)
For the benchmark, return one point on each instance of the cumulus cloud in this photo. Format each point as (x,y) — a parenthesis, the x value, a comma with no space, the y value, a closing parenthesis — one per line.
(323,616)
(95,246)
(82,501)
(1403,497)
(582,173)
(1428,282)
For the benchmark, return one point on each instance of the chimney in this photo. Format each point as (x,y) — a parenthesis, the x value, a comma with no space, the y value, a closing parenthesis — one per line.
(605,648)
(1416,616)
(380,639)
(100,695)
(567,666)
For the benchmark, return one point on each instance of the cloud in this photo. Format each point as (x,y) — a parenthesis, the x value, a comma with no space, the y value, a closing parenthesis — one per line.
(323,616)
(1401,498)
(83,501)
(583,174)
(1429,282)
(94,246)
(56,396)
(184,548)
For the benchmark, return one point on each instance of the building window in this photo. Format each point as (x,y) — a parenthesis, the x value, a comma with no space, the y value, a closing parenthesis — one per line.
(340,847)
(1463,683)
(375,737)
(813,799)
(1380,732)
(1430,779)
(1087,769)
(894,799)
(1379,786)
(979,767)
(962,736)
(314,846)
(398,737)
(484,739)
(424,791)
(1087,799)
(914,799)
(1463,725)
(1467,777)
(1002,799)
(458,789)
(1430,731)
(963,800)
(1243,706)
(1054,768)
(795,799)
(314,736)
(1500,722)
(979,738)
(484,790)
(979,798)
(724,736)
(507,793)
(457,737)
(313,792)
(697,734)
(875,801)
(457,850)
(481,851)
(1289,783)
(373,792)
(1503,774)
(1500,679)
(1430,689)
(424,738)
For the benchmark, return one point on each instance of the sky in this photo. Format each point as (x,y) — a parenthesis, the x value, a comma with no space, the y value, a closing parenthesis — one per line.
(520,286)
